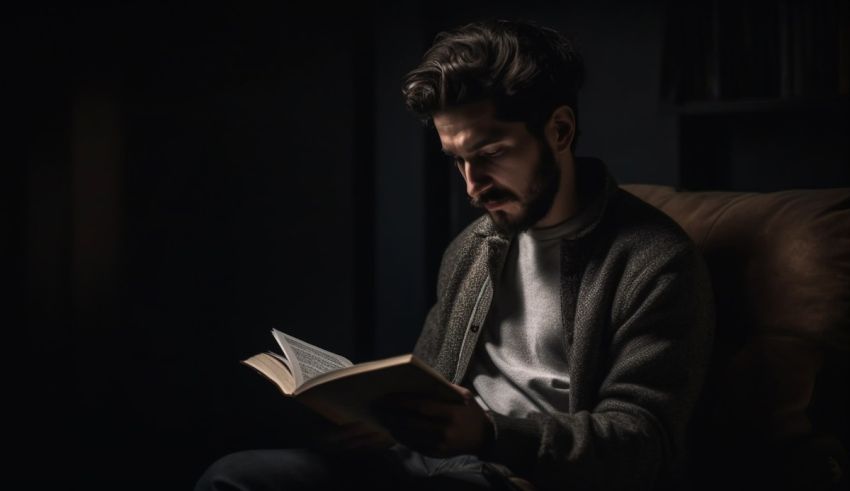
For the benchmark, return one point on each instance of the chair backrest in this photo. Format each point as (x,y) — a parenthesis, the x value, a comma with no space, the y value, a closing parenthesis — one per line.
(775,406)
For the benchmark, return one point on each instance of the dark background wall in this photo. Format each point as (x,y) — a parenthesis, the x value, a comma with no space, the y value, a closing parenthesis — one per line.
(182,180)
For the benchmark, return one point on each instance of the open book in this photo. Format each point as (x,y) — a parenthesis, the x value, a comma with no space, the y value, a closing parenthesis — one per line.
(340,390)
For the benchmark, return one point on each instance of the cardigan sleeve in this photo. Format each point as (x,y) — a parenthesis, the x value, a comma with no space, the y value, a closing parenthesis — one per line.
(655,360)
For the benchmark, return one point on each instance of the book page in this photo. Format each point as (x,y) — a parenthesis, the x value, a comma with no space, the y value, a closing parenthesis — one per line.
(268,364)
(282,359)
(308,360)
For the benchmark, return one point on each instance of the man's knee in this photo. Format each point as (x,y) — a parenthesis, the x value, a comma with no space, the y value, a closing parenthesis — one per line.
(231,472)
(258,470)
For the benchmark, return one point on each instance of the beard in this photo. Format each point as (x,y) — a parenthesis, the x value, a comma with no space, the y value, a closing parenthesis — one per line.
(538,202)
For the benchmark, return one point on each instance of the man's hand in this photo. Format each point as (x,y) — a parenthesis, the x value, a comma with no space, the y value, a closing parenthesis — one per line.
(352,437)
(436,428)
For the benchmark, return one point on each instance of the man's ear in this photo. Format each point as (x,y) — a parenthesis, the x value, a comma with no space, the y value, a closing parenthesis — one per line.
(561,128)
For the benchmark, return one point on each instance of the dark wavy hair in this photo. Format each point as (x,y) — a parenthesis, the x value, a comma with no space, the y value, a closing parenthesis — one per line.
(525,69)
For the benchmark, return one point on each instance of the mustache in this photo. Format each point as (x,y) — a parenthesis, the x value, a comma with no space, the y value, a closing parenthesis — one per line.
(492,195)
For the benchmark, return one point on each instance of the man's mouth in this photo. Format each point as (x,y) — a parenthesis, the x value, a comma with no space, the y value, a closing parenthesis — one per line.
(493,204)
(493,199)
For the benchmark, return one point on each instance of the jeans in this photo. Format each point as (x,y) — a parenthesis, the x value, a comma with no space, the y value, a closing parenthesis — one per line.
(309,469)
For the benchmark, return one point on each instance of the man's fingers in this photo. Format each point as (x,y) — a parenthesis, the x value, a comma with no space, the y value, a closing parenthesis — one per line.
(347,430)
(353,436)
(413,429)
(423,408)
(367,441)
(434,427)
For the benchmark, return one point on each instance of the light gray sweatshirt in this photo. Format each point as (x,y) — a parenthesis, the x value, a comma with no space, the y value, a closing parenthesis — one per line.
(521,365)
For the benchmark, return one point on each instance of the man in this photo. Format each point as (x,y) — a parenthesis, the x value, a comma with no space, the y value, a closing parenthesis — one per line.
(575,319)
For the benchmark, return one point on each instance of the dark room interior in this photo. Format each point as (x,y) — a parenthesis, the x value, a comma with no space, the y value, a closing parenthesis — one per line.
(184,179)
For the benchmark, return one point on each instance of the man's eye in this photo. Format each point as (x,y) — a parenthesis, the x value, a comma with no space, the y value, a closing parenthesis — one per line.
(494,155)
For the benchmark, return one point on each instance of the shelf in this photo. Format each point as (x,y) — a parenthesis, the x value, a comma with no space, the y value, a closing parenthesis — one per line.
(841,104)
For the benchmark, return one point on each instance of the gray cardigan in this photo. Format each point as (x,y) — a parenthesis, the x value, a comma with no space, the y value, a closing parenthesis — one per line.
(638,320)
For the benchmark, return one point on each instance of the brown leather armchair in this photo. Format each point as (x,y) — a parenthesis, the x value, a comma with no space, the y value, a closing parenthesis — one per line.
(774,411)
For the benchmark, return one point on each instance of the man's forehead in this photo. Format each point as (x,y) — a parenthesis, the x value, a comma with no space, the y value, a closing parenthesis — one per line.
(468,125)
(470,141)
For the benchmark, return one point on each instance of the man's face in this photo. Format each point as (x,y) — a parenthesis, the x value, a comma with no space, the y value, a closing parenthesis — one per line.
(508,171)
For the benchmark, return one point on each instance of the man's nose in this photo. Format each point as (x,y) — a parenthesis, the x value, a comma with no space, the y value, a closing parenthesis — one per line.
(476,179)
